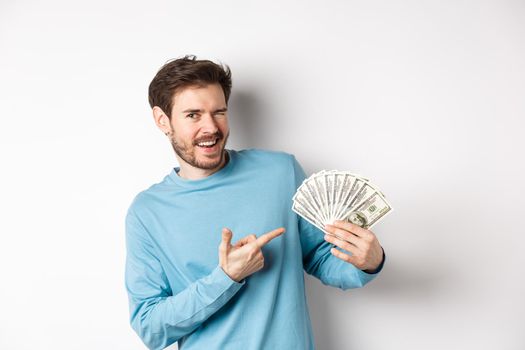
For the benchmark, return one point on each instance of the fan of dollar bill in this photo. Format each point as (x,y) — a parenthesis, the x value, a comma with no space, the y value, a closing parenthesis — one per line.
(327,196)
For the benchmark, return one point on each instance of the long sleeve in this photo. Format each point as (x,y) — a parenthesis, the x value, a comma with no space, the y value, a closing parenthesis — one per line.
(159,317)
(319,262)
(317,259)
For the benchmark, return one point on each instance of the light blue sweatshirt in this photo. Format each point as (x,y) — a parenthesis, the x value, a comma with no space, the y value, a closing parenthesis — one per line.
(177,291)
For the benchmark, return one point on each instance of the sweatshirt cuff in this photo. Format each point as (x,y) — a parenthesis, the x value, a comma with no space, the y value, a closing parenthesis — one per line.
(224,281)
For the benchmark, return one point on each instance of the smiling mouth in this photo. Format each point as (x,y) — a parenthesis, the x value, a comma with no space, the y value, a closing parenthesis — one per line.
(208,144)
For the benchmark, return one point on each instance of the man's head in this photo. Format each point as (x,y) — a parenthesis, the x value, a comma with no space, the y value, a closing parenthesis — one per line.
(189,100)
(183,72)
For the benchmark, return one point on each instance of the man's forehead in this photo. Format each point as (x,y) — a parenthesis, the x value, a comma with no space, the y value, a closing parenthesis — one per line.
(198,93)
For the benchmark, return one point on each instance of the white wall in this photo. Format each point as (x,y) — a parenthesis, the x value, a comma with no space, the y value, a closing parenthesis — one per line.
(424,97)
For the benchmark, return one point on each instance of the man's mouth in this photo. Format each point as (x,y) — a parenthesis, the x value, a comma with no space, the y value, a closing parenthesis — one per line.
(207,144)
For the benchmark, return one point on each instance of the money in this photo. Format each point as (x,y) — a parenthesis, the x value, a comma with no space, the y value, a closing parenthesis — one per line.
(327,196)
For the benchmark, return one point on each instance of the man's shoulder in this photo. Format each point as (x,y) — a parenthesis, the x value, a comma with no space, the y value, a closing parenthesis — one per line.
(263,155)
(147,195)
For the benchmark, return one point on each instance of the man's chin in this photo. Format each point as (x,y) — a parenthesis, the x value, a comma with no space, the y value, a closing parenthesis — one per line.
(210,161)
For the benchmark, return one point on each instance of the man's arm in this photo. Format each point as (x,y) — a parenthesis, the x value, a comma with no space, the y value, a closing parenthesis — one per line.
(159,317)
(318,259)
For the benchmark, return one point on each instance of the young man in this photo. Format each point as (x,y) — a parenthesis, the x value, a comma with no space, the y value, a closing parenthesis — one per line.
(187,282)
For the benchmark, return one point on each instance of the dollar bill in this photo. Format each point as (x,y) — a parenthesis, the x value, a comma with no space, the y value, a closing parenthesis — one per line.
(350,196)
(319,183)
(332,195)
(305,214)
(317,199)
(370,211)
(308,206)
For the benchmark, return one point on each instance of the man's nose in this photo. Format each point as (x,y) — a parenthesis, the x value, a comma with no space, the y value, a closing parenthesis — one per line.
(209,124)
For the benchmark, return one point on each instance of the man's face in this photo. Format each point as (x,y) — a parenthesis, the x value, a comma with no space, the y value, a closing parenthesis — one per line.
(200,126)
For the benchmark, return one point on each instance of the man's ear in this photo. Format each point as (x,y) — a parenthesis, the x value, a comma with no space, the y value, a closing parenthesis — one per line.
(161,119)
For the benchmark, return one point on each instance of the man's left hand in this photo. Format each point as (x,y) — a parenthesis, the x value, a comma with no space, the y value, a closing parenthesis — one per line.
(367,253)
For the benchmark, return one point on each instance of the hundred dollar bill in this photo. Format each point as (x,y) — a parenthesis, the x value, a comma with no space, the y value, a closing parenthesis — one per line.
(350,197)
(329,179)
(364,192)
(299,209)
(370,211)
(312,194)
(319,184)
(345,182)
(303,198)
(338,184)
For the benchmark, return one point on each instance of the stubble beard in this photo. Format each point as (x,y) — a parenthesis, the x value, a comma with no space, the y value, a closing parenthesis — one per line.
(187,152)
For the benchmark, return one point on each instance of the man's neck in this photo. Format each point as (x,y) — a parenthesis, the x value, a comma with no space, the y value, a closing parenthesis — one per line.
(189,172)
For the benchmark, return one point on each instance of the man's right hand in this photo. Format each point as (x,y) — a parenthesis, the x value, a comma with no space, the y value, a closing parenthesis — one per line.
(244,257)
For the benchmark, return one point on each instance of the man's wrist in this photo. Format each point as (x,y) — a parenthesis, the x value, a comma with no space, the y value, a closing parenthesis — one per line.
(379,267)
(233,278)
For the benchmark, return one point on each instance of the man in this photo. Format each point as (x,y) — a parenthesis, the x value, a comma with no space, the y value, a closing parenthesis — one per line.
(187,282)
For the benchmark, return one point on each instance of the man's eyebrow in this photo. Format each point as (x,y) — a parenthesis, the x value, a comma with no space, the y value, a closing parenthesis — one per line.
(200,110)
(192,111)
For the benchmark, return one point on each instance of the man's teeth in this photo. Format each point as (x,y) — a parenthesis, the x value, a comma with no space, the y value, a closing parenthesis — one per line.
(208,143)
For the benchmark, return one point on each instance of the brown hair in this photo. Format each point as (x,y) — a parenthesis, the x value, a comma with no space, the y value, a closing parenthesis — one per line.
(183,72)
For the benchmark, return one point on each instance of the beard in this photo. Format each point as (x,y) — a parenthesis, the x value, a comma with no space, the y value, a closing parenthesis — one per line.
(187,151)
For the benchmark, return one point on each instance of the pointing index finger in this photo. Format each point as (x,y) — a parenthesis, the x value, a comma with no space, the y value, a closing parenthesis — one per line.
(267,237)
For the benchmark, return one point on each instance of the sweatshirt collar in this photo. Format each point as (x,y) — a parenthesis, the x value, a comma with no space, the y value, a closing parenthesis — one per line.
(216,176)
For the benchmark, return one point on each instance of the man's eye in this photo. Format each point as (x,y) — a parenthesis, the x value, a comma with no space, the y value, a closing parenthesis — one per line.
(191,115)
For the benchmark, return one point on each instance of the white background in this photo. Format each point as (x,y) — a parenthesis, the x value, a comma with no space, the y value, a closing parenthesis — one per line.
(424,97)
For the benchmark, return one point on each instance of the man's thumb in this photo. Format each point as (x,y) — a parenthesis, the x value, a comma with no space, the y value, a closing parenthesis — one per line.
(226,238)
